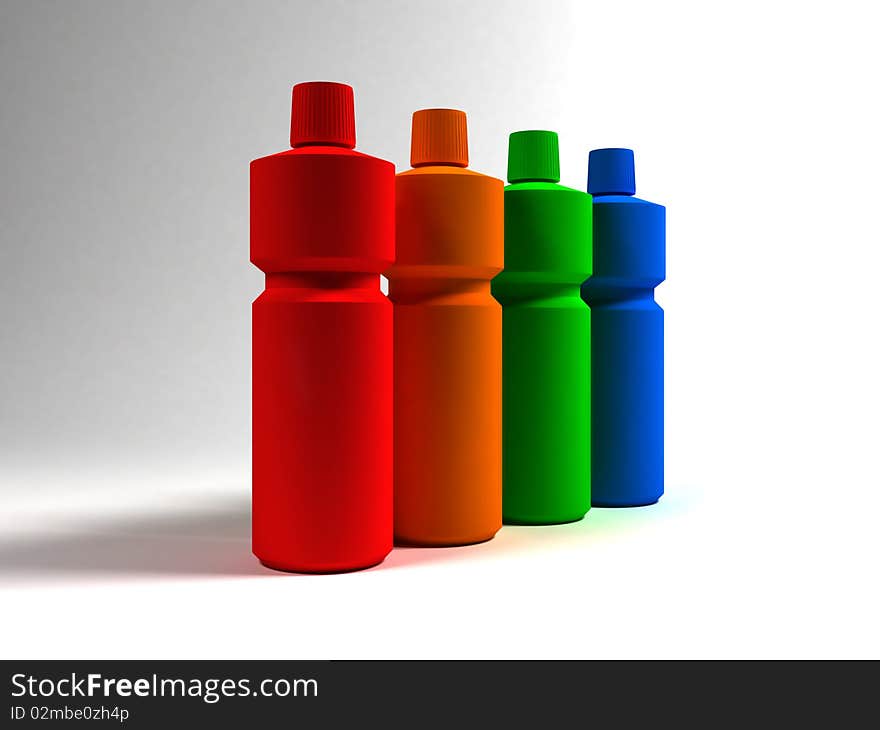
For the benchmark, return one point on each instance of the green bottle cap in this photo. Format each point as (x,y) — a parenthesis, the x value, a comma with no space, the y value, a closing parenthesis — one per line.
(533,156)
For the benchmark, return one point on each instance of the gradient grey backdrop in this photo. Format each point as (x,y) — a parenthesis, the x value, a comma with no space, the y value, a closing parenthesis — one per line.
(127,129)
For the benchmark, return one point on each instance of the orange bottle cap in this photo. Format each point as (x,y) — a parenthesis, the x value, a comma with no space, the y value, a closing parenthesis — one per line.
(439,137)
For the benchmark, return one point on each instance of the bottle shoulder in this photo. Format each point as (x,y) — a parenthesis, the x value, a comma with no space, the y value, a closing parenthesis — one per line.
(531,187)
(445,171)
(624,200)
(314,153)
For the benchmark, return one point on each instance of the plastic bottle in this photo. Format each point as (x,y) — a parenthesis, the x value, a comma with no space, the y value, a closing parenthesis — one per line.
(547,250)
(322,229)
(629,261)
(447,341)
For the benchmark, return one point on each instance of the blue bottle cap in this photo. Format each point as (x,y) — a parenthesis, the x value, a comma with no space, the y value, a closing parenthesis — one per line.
(612,171)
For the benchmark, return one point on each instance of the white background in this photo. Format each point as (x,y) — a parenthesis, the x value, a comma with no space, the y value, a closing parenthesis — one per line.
(125,288)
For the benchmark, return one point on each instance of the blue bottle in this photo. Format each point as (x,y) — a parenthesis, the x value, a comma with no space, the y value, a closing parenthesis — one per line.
(629,261)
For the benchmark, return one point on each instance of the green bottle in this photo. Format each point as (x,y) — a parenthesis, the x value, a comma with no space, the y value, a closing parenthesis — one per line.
(546,358)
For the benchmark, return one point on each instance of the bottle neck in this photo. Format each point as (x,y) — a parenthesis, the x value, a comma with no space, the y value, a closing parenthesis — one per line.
(420,289)
(322,280)
(340,145)
(418,165)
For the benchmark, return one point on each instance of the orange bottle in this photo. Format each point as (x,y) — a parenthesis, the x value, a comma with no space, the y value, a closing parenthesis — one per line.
(447,340)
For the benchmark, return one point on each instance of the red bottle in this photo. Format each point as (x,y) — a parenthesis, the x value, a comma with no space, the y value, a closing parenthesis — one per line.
(322,229)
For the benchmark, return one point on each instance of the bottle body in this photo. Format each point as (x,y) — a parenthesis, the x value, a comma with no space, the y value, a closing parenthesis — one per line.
(322,230)
(447,357)
(546,354)
(627,350)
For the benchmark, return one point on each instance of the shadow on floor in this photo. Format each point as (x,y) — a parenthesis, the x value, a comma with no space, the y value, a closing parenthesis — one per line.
(215,542)
(192,543)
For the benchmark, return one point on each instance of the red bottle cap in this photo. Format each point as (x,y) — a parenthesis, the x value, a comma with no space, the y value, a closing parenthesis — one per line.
(322,113)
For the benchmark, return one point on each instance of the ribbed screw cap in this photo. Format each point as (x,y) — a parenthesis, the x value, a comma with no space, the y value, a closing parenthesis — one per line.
(322,113)
(612,171)
(439,137)
(533,156)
